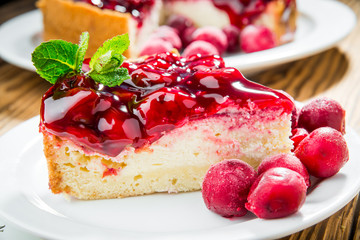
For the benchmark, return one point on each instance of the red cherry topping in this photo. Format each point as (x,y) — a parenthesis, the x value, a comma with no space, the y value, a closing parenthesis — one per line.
(139,9)
(165,91)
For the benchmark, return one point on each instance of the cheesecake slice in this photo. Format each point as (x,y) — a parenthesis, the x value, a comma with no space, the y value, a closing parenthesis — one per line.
(160,130)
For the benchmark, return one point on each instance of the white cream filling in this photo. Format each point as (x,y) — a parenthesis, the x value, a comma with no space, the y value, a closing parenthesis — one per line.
(202,12)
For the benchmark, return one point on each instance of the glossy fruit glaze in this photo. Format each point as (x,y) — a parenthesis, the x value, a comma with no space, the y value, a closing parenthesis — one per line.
(242,12)
(165,92)
(139,9)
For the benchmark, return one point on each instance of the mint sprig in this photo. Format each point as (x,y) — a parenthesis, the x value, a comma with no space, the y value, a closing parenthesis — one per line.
(57,58)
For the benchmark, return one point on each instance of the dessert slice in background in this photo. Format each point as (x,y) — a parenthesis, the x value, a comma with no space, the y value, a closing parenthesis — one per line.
(66,19)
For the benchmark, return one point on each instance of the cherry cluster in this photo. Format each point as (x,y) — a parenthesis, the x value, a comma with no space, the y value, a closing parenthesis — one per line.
(278,188)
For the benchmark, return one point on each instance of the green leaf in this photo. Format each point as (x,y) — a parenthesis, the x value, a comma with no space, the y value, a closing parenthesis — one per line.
(110,49)
(80,54)
(54,59)
(108,62)
(111,78)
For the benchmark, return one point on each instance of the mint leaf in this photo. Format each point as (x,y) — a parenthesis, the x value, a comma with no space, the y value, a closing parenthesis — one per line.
(106,61)
(111,78)
(54,59)
(80,54)
(116,46)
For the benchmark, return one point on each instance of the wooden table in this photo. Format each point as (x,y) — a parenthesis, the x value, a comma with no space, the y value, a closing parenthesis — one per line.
(334,73)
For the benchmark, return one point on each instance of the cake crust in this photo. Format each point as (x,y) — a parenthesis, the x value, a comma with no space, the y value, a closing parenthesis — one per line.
(66,19)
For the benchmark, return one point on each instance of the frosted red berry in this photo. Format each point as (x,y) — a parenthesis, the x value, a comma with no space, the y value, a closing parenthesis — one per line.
(278,192)
(298,134)
(324,152)
(200,47)
(232,33)
(256,38)
(212,35)
(155,46)
(286,161)
(226,186)
(168,34)
(322,112)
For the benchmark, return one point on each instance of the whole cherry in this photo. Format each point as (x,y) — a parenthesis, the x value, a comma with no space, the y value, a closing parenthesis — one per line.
(322,112)
(154,46)
(200,47)
(324,152)
(168,34)
(232,33)
(278,192)
(212,35)
(298,134)
(286,161)
(226,186)
(256,38)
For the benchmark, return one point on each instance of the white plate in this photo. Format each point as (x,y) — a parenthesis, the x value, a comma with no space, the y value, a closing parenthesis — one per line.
(27,202)
(321,24)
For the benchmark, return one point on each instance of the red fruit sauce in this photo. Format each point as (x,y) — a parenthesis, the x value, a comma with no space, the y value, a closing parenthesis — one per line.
(165,91)
(240,12)
(243,12)
(139,9)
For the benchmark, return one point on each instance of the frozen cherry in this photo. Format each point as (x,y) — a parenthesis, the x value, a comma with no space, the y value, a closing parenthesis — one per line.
(212,35)
(295,117)
(298,134)
(278,192)
(226,186)
(322,112)
(168,34)
(232,33)
(286,161)
(155,46)
(256,38)
(180,23)
(324,152)
(200,47)
(187,36)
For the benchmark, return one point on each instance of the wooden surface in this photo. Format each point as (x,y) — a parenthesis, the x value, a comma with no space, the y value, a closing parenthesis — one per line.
(334,73)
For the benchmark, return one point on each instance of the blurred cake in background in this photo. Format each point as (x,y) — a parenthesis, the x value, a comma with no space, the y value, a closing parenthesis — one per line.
(193,26)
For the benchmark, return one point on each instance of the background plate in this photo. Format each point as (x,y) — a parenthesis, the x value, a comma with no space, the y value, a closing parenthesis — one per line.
(321,24)
(27,202)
